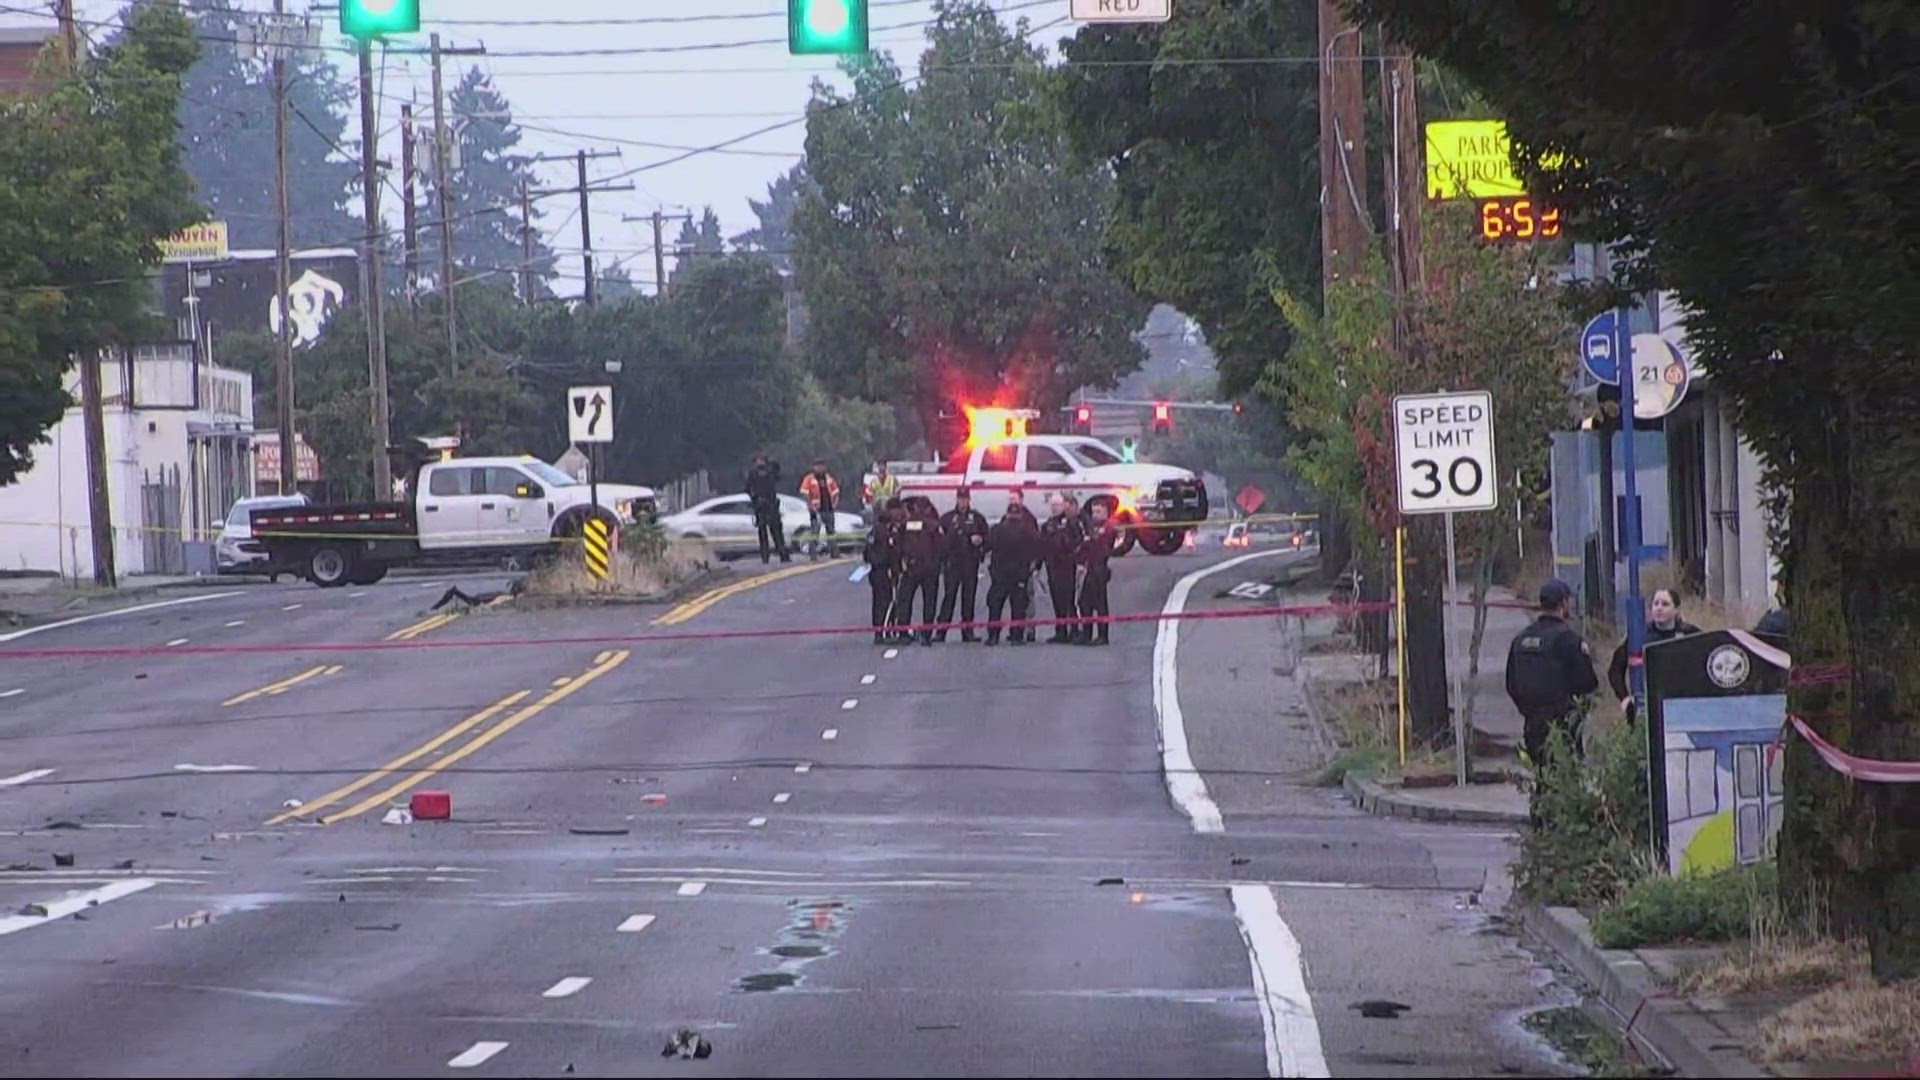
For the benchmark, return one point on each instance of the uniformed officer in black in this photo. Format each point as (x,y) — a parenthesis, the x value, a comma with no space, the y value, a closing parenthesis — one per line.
(919,571)
(763,494)
(1061,537)
(882,552)
(1012,546)
(1549,667)
(1093,603)
(963,543)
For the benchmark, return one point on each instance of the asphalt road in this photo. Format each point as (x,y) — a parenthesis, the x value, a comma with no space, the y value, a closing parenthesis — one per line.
(826,858)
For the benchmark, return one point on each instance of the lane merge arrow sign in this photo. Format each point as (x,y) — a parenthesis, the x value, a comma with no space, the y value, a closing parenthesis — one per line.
(590,414)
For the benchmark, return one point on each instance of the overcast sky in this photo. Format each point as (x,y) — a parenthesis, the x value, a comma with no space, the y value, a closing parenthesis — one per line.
(717,69)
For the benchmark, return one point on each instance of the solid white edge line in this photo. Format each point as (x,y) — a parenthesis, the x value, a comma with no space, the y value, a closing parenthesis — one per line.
(633,924)
(567,987)
(25,777)
(475,1055)
(134,610)
(74,902)
(1184,783)
(692,888)
(1280,983)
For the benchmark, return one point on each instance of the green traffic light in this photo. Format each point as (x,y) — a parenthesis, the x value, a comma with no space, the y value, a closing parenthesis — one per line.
(369,19)
(817,27)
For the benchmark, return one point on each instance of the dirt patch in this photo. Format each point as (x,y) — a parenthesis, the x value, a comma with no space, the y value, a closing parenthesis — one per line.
(1875,1026)
(1769,966)
(567,583)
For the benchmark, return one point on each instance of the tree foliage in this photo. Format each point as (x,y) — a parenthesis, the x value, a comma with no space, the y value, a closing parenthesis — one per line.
(92,183)
(487,172)
(949,243)
(773,239)
(1215,165)
(226,130)
(1762,169)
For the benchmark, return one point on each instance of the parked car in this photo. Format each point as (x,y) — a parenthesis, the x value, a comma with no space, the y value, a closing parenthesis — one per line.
(725,524)
(237,552)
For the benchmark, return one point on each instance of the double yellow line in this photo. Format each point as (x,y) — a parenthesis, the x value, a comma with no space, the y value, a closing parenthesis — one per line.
(705,600)
(434,622)
(602,664)
(281,687)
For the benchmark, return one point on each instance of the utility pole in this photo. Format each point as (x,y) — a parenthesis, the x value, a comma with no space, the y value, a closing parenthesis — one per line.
(526,243)
(584,189)
(409,209)
(92,407)
(376,320)
(660,246)
(443,178)
(283,260)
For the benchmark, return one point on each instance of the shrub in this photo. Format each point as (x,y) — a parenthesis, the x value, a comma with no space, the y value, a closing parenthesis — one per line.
(1663,910)
(1590,836)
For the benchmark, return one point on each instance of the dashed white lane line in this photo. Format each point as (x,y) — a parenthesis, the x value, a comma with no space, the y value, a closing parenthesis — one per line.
(567,987)
(293,607)
(13,693)
(236,622)
(830,734)
(355,595)
(782,797)
(24,778)
(890,654)
(74,902)
(1280,981)
(116,613)
(431,584)
(803,768)
(866,680)
(213,768)
(176,642)
(1184,782)
(849,704)
(755,823)
(476,1055)
(633,924)
(692,888)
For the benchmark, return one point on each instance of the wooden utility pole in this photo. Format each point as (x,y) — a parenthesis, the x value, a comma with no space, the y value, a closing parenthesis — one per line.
(1343,147)
(92,406)
(376,317)
(526,243)
(584,189)
(659,221)
(409,206)
(443,180)
(282,260)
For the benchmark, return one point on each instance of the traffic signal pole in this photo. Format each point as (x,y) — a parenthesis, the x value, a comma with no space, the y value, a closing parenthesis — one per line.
(376,317)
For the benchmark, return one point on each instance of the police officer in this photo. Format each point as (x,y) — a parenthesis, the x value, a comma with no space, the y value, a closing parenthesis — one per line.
(882,553)
(1093,603)
(1017,506)
(763,494)
(919,571)
(1549,667)
(963,543)
(1061,538)
(1012,546)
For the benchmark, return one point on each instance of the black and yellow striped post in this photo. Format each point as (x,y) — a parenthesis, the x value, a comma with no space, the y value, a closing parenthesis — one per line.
(597,542)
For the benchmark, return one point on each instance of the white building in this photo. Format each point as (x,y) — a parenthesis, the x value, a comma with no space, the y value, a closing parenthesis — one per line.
(179,453)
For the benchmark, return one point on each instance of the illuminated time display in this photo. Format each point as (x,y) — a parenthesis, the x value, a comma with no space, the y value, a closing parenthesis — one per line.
(1517,217)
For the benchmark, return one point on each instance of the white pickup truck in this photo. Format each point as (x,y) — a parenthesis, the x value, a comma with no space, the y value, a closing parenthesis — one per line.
(1037,466)
(500,509)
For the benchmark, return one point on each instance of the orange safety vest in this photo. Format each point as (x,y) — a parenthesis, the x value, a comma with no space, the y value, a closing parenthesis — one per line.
(810,487)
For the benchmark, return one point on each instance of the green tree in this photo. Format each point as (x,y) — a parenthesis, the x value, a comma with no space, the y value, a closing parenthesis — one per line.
(949,245)
(92,182)
(1763,172)
(487,171)
(1215,165)
(226,130)
(849,433)
(773,239)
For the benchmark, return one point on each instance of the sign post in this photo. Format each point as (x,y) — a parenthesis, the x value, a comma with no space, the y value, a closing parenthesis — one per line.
(1444,458)
(590,420)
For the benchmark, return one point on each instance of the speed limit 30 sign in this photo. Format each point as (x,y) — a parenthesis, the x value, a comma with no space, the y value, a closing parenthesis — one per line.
(1443,452)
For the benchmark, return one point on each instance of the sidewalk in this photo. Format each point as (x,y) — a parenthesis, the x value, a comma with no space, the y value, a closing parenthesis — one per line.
(30,601)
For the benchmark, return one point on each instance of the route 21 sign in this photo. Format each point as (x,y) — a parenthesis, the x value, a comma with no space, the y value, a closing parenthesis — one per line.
(1443,452)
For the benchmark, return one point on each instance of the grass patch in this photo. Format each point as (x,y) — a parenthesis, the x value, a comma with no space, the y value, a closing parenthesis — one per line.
(633,575)
(1796,962)
(1585,1043)
(1709,908)
(1859,1023)
(1359,761)
(1363,715)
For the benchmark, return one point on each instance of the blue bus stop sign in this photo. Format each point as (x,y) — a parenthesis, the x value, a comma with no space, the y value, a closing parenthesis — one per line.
(1597,348)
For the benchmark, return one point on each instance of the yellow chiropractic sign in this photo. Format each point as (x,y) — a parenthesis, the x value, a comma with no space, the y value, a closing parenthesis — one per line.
(1472,159)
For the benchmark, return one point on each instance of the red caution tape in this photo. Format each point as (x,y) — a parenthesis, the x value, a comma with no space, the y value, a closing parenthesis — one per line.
(1853,765)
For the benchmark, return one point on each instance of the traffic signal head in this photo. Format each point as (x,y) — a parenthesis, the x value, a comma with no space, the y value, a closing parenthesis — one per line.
(817,27)
(1162,416)
(1238,408)
(369,19)
(1083,416)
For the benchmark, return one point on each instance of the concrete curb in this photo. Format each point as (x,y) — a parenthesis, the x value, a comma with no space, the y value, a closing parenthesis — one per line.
(1672,1028)
(1382,801)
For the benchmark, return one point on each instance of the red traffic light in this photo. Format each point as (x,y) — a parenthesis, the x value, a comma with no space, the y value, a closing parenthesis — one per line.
(1162,413)
(1083,415)
(1238,408)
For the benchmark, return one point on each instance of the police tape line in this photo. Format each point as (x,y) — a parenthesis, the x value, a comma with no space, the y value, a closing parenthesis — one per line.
(105,652)
(1852,766)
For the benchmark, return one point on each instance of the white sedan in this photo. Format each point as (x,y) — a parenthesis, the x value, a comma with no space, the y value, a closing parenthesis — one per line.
(725,525)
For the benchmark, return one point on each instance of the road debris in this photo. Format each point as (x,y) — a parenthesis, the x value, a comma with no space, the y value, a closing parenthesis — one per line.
(688,1043)
(63,858)
(399,815)
(1377,1009)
